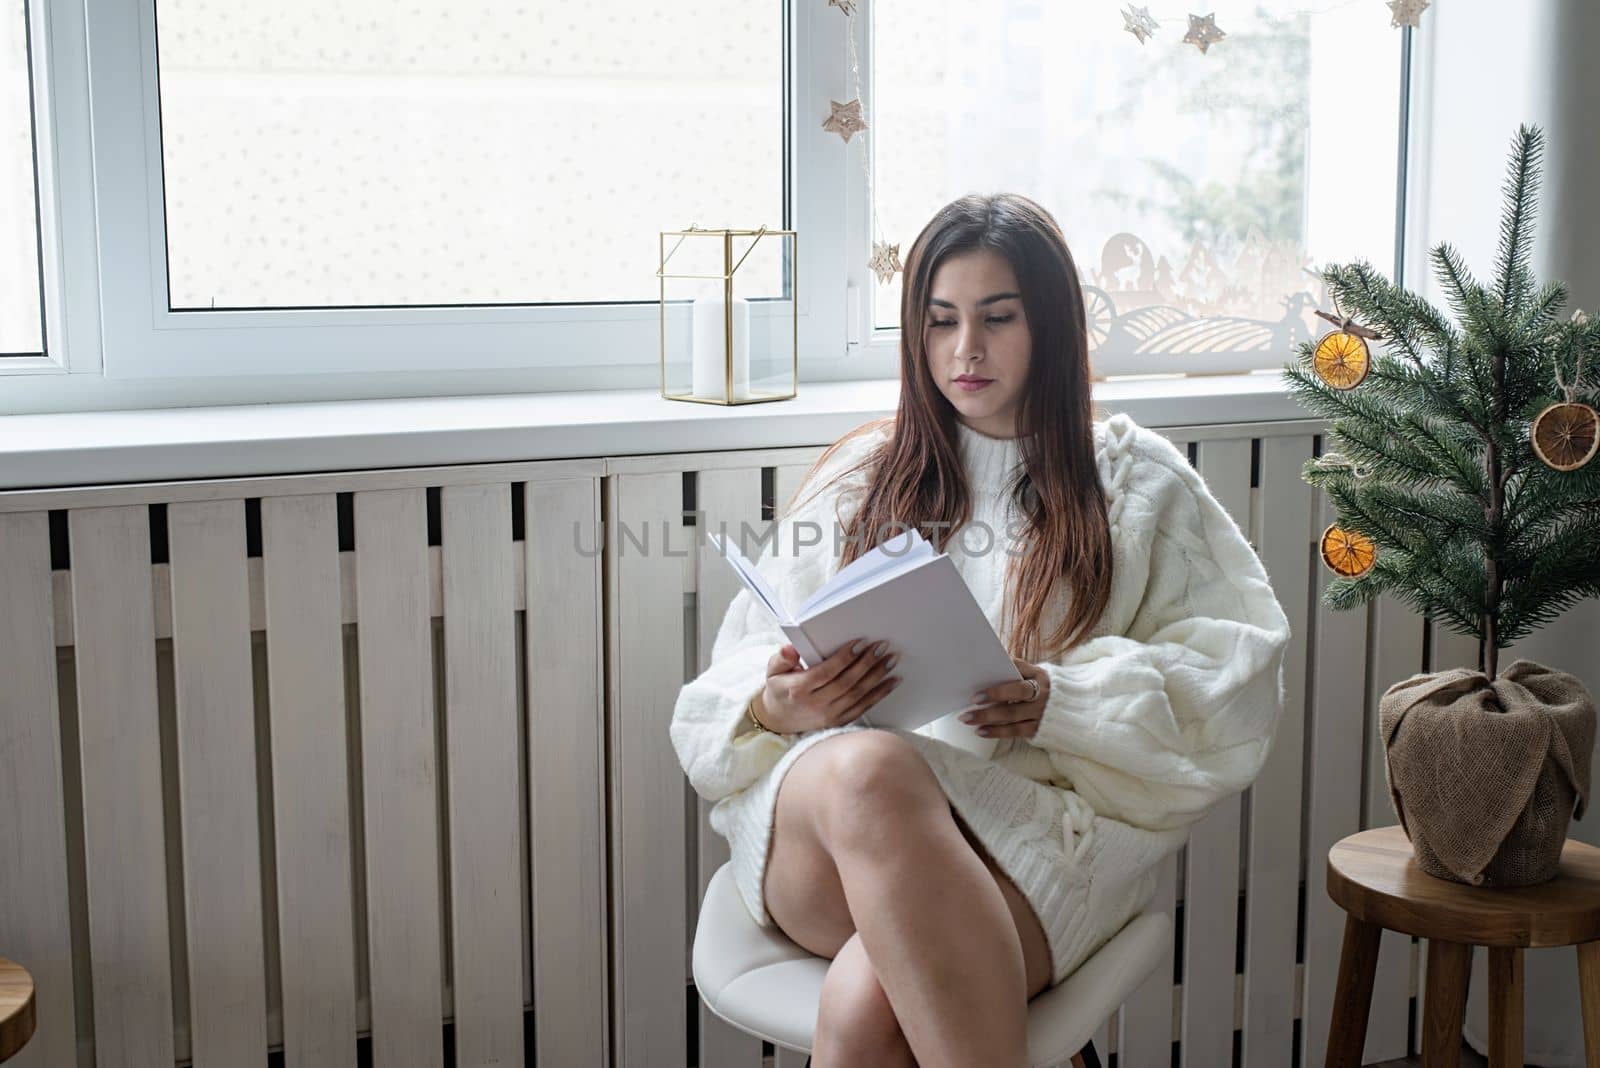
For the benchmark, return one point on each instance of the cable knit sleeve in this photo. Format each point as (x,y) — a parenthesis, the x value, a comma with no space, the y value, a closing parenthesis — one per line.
(719,750)
(1157,724)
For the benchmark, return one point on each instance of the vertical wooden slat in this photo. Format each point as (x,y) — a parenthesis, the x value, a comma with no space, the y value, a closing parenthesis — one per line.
(481,730)
(1452,650)
(124,844)
(400,777)
(213,687)
(786,480)
(1396,654)
(1211,894)
(566,771)
(35,927)
(646,542)
(310,791)
(1334,786)
(1272,893)
(729,503)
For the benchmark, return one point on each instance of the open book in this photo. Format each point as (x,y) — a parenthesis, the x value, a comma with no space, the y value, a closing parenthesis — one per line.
(906,594)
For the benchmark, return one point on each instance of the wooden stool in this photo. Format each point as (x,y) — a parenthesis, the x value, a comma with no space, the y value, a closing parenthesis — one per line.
(16,1008)
(1373,877)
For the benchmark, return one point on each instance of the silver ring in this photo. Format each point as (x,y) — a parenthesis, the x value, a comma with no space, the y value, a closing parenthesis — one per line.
(1035,684)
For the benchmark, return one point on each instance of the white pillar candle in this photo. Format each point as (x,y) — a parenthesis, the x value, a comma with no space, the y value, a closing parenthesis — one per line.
(710,372)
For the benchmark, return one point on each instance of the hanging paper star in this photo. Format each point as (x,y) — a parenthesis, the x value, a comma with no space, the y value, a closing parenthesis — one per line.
(1407,12)
(1138,21)
(885,261)
(1203,32)
(847,6)
(846,120)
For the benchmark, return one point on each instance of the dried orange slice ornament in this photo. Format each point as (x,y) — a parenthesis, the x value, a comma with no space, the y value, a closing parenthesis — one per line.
(1347,553)
(1566,435)
(1341,358)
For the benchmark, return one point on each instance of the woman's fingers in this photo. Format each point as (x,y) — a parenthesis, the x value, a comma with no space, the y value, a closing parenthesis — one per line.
(827,673)
(846,678)
(868,673)
(872,697)
(783,661)
(1005,693)
(1020,692)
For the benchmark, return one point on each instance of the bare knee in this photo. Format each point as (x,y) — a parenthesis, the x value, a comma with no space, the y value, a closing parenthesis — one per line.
(875,782)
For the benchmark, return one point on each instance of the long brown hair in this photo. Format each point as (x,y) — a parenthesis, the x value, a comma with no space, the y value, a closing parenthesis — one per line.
(917,476)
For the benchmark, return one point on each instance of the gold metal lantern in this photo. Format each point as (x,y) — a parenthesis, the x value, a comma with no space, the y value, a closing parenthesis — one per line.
(729,329)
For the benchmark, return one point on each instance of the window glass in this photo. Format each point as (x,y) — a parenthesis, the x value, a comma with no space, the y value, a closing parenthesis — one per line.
(367,154)
(1197,191)
(21,322)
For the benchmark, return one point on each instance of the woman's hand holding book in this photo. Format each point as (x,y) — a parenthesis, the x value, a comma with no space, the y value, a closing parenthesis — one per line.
(836,691)
(1011,709)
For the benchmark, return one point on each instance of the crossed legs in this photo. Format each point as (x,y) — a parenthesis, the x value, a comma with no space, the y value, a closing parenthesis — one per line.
(935,953)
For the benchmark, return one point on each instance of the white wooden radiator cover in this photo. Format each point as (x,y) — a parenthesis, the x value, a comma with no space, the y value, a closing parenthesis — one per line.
(277,801)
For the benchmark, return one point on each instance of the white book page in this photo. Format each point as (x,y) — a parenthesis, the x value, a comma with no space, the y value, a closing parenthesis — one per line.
(750,576)
(900,553)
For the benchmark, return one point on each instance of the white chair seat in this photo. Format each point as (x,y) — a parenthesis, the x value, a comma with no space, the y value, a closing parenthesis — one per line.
(765,985)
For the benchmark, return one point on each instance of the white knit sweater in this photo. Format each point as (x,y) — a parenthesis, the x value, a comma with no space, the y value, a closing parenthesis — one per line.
(1168,707)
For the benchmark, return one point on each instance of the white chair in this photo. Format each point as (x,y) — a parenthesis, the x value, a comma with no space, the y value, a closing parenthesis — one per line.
(765,985)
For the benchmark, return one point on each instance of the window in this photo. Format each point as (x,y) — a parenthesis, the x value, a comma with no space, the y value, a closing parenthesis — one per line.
(1197,191)
(298,189)
(439,153)
(246,199)
(21,300)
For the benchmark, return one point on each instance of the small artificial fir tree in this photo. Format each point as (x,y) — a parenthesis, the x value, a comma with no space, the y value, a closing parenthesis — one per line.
(1471,527)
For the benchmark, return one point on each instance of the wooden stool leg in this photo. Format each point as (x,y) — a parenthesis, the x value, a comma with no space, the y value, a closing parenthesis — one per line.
(1505,1008)
(1446,1004)
(1589,994)
(1352,998)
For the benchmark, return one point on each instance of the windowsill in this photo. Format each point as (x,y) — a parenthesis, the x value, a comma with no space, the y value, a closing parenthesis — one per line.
(96,448)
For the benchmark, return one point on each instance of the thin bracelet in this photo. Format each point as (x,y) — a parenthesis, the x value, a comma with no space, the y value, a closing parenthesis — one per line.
(750,710)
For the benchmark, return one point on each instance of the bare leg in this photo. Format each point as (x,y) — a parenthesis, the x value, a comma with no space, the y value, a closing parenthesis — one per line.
(855,1024)
(930,915)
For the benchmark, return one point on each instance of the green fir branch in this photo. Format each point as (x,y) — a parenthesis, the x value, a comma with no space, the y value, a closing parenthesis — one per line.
(1521,188)
(1390,457)
(1461,462)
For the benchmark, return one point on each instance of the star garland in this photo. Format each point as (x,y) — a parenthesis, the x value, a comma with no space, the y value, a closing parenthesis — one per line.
(1139,22)
(846,120)
(1204,31)
(1407,12)
(885,261)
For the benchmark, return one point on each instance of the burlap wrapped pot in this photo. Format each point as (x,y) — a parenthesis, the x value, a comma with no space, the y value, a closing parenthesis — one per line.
(1485,776)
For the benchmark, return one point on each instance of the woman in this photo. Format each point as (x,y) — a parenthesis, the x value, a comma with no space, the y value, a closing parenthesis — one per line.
(953,872)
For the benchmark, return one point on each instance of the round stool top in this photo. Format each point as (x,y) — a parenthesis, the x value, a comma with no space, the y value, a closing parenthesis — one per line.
(1373,877)
(16,1007)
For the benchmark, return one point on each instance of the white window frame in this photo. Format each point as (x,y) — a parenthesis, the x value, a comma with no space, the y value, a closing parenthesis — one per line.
(70,313)
(106,301)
